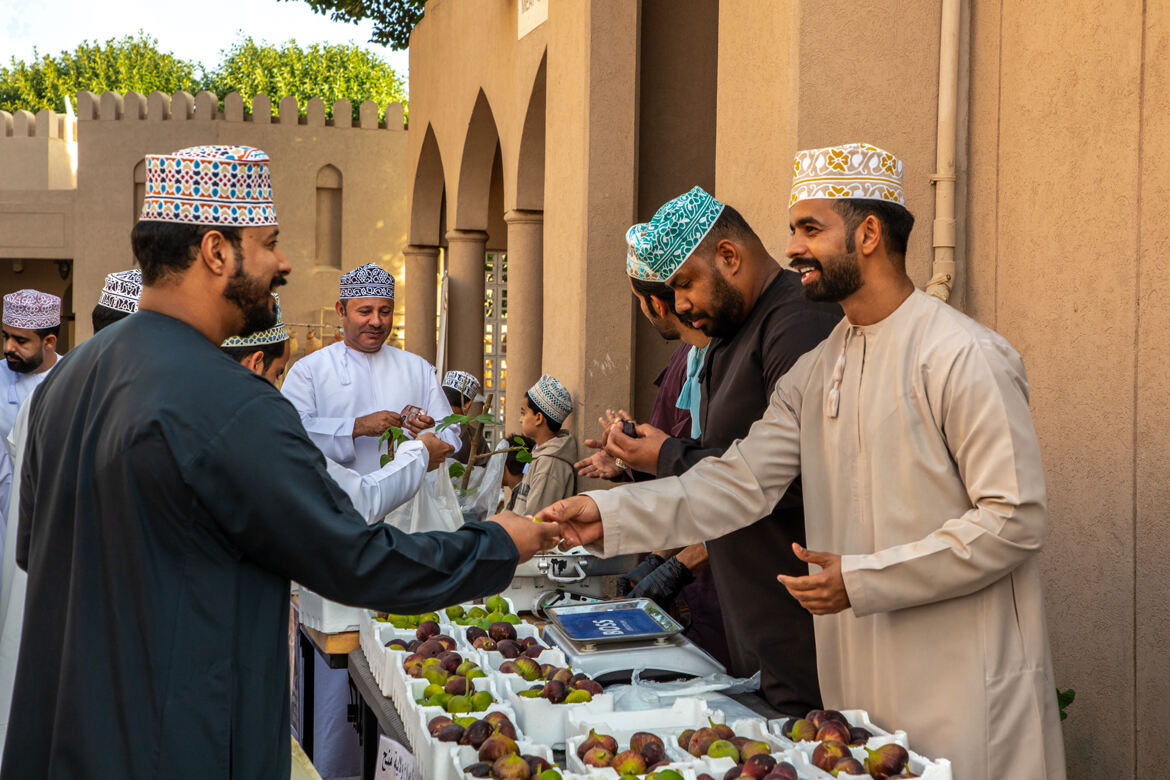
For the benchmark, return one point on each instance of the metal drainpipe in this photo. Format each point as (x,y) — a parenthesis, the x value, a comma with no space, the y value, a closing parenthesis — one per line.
(945,168)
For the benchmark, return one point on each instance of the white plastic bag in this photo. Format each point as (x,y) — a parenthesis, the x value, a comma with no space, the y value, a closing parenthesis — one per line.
(433,508)
(483,489)
(647,694)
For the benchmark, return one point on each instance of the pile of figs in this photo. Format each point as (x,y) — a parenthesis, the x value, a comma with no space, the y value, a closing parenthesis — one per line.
(835,735)
(646,752)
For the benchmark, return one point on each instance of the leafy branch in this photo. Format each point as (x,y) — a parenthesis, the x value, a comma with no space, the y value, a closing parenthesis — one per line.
(1063,699)
(392,438)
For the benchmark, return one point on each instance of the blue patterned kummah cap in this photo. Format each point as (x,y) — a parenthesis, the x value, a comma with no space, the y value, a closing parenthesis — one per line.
(659,247)
(852,171)
(122,291)
(367,281)
(462,382)
(274,335)
(209,185)
(551,398)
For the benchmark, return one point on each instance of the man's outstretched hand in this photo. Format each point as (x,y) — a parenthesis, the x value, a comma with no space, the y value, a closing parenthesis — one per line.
(529,536)
(578,518)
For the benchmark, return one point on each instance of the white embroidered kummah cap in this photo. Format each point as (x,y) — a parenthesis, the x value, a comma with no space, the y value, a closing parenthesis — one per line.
(853,171)
(367,281)
(209,185)
(462,382)
(551,398)
(122,291)
(659,247)
(274,335)
(32,309)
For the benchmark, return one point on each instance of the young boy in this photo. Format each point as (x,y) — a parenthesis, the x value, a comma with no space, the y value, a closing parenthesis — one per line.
(461,389)
(550,476)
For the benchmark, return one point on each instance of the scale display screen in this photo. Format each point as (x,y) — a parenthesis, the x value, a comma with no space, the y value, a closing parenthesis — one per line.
(614,621)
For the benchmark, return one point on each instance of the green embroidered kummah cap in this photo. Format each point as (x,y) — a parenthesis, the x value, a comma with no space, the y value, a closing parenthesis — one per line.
(658,248)
(274,335)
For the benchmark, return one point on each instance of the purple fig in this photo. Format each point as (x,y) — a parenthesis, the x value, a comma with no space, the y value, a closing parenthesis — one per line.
(534,651)
(452,732)
(508,667)
(501,724)
(496,747)
(653,752)
(592,686)
(500,631)
(536,764)
(594,740)
(396,644)
(473,633)
(458,686)
(427,629)
(476,734)
(826,755)
(802,731)
(684,739)
(509,648)
(555,691)
(447,642)
(783,771)
(479,769)
(848,766)
(511,767)
(436,723)
(858,735)
(886,761)
(700,741)
(431,648)
(450,661)
(484,643)
(833,730)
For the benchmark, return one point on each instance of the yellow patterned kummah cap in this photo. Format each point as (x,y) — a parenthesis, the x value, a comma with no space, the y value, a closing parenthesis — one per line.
(855,171)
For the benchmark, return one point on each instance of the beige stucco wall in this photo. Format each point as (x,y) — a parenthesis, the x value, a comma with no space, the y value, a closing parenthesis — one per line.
(1061,245)
(370,158)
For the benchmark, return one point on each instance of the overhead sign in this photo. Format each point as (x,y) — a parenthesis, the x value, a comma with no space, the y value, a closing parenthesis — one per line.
(530,14)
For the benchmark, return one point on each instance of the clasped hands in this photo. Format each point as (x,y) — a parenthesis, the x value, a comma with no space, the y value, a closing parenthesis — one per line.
(640,454)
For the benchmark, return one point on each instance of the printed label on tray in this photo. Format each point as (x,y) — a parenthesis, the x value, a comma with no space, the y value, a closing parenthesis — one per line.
(609,625)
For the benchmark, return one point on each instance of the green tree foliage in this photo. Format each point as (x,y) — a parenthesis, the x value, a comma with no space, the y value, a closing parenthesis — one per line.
(330,72)
(393,19)
(132,63)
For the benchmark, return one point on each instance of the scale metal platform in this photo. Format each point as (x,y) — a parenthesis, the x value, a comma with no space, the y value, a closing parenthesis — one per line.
(608,640)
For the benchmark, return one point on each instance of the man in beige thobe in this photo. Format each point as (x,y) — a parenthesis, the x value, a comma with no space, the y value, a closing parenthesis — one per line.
(922,480)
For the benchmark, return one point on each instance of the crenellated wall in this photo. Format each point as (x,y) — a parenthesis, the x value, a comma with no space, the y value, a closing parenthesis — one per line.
(339,184)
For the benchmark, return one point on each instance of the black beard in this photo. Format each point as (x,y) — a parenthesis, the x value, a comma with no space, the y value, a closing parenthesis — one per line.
(840,278)
(252,297)
(728,312)
(24,365)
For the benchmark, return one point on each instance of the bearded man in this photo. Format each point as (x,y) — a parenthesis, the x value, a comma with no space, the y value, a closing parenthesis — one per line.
(167,502)
(727,285)
(923,491)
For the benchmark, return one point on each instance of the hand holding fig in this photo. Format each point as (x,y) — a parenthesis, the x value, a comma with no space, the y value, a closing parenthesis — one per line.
(529,537)
(578,518)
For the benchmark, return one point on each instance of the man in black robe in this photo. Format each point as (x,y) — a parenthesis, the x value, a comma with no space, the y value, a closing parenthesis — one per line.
(168,495)
(760,323)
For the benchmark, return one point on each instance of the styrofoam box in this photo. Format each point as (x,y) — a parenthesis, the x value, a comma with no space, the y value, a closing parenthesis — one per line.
(490,661)
(543,721)
(718,767)
(460,756)
(433,756)
(327,616)
(938,769)
(444,620)
(411,709)
(666,723)
(858,718)
(393,675)
(523,631)
(622,725)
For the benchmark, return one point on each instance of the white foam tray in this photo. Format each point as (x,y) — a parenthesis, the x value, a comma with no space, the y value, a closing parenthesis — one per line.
(434,757)
(925,768)
(415,716)
(460,756)
(858,718)
(543,721)
(328,617)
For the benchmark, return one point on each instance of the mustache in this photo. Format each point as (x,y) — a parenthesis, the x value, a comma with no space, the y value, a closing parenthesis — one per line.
(277,281)
(811,262)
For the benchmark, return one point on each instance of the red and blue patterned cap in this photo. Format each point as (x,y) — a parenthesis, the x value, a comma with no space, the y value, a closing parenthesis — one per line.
(209,185)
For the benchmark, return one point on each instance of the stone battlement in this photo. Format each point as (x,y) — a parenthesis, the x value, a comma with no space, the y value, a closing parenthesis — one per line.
(203,107)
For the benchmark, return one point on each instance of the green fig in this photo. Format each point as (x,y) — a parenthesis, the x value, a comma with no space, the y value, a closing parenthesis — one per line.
(476,674)
(497,603)
(802,730)
(476,612)
(578,697)
(455,612)
(465,721)
(526,668)
(432,616)
(513,619)
(459,704)
(722,748)
(753,748)
(432,690)
(435,675)
(552,774)
(480,701)
(666,774)
(530,693)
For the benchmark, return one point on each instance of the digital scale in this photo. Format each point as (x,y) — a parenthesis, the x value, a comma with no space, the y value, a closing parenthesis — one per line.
(608,640)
